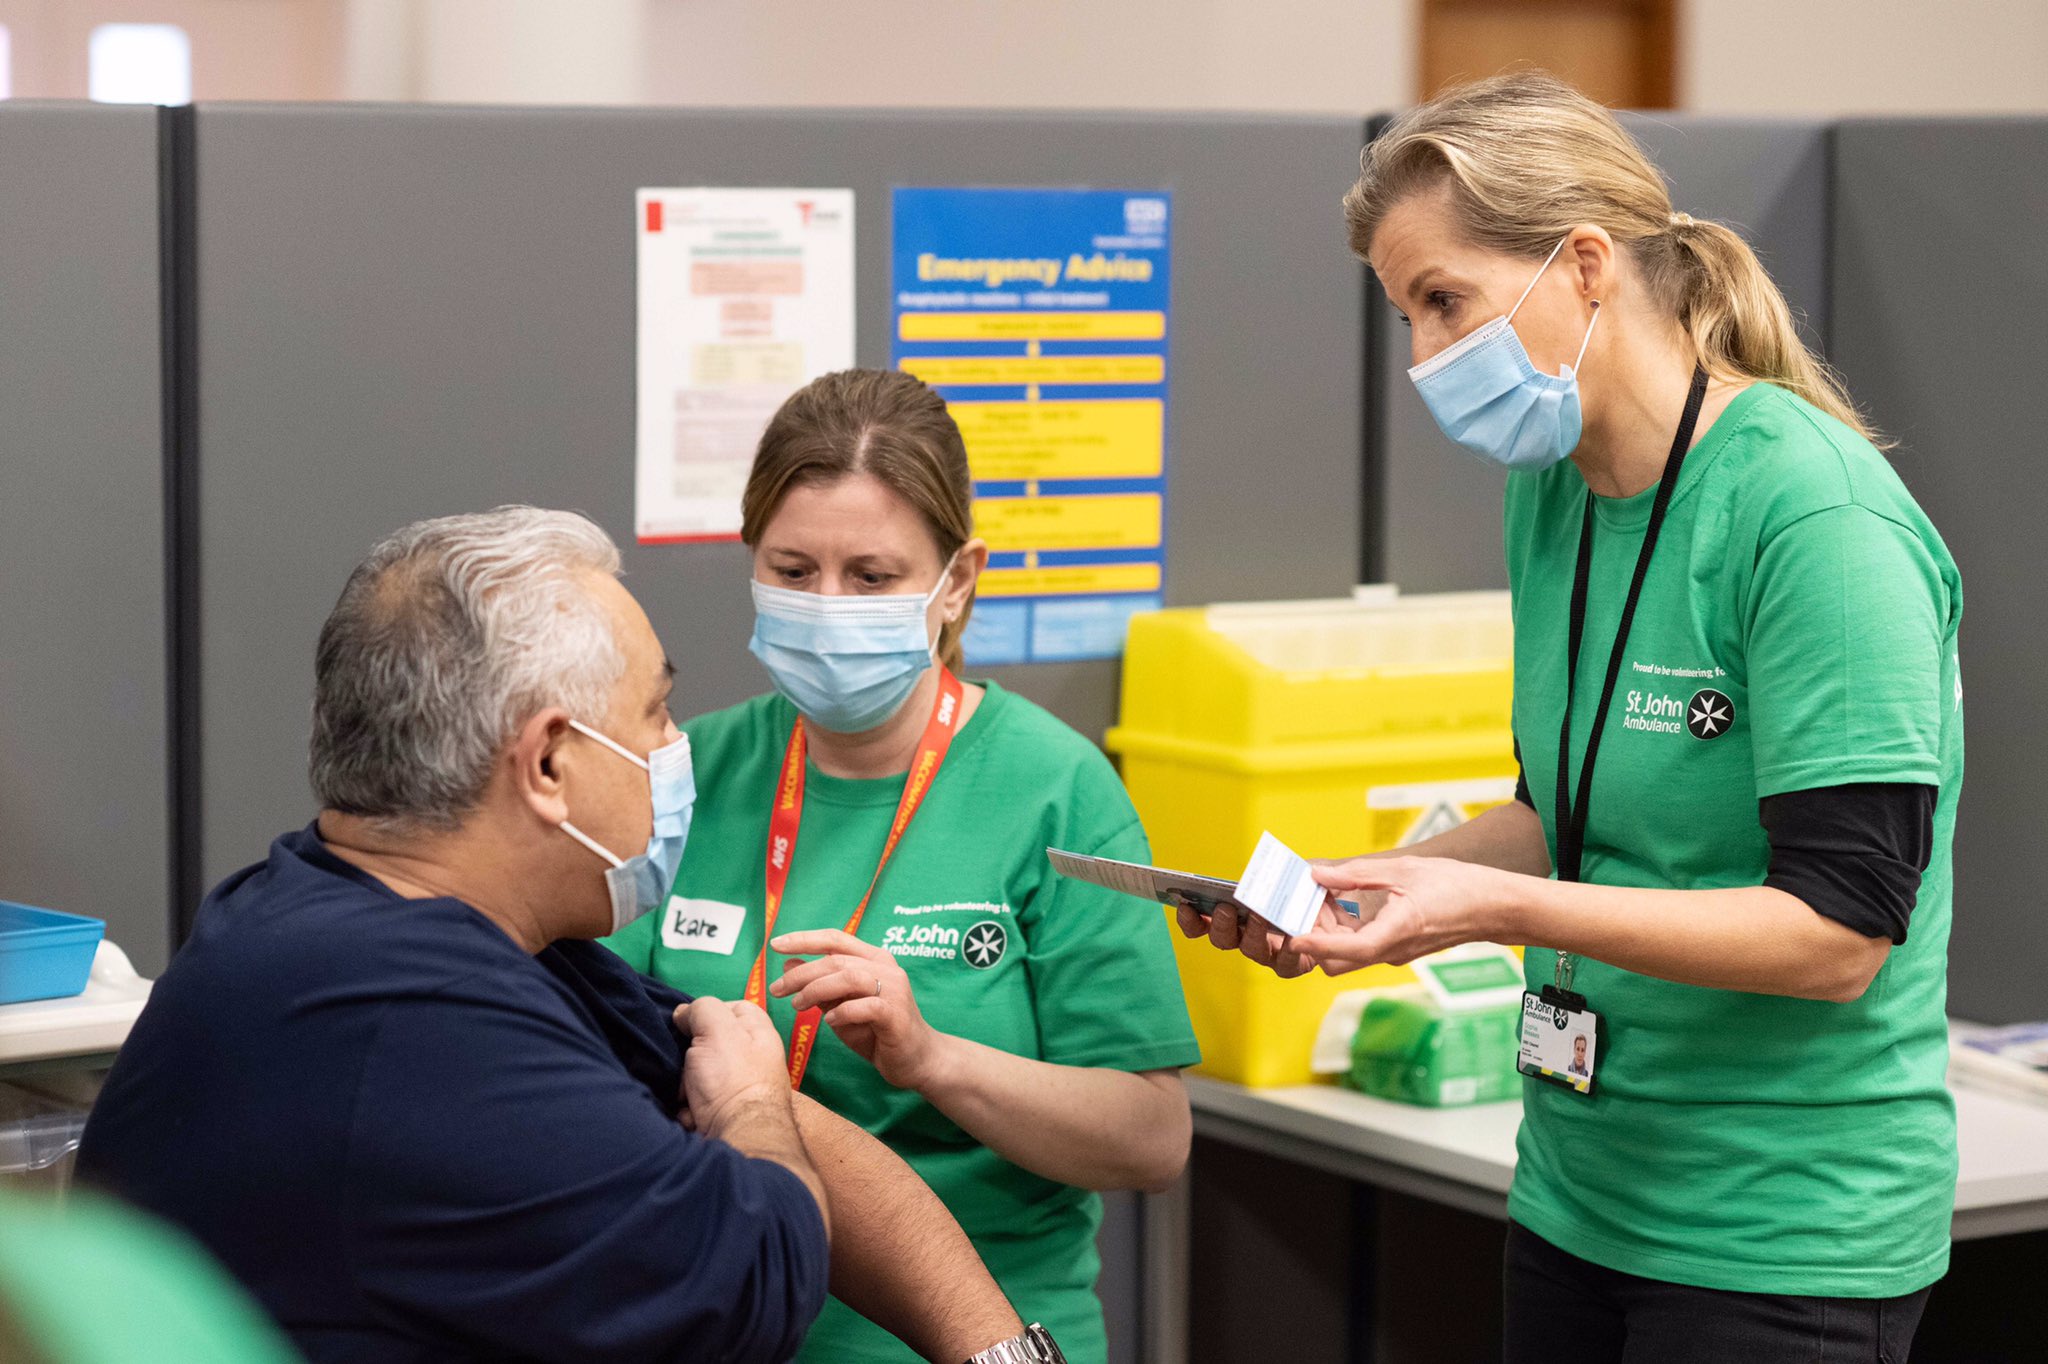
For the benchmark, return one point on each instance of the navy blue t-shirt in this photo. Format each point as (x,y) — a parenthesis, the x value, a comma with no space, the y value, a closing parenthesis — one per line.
(413,1140)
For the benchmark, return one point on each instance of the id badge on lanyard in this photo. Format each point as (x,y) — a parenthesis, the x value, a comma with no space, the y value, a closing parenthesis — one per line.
(1561,1035)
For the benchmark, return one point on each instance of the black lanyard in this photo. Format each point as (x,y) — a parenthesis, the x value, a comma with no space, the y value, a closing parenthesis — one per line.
(1571,816)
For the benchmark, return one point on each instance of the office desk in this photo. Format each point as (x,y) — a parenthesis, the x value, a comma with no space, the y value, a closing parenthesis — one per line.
(1464,1158)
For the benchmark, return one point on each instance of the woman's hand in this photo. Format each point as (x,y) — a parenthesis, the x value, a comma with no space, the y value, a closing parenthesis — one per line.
(1235,929)
(867,1001)
(1426,904)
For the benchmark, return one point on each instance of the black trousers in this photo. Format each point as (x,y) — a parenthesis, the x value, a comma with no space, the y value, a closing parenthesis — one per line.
(1564,1310)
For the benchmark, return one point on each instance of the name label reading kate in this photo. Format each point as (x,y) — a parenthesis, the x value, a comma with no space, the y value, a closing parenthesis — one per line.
(702,925)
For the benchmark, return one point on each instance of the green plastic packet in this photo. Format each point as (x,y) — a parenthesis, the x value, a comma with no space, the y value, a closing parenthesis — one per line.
(1408,1048)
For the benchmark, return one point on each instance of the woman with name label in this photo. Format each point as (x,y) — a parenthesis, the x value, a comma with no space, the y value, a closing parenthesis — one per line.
(1729,608)
(1016,1036)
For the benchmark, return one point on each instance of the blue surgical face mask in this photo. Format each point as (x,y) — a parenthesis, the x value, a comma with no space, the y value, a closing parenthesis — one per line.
(1488,396)
(638,884)
(848,663)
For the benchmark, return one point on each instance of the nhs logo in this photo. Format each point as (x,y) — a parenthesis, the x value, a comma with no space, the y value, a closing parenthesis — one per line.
(1144,217)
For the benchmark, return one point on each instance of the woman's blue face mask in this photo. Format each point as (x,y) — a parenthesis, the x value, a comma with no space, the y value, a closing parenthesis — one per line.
(1488,396)
(847,663)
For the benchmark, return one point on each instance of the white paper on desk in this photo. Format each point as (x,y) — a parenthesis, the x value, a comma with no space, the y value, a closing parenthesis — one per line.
(1158,885)
(1278,886)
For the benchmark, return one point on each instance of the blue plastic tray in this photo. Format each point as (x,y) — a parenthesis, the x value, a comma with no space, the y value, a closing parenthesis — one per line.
(45,954)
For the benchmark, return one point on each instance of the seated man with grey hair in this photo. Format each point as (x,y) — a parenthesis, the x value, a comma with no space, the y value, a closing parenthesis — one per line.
(397,1089)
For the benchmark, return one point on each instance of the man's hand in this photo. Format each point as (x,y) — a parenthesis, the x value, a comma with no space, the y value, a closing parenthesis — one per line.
(734,1063)
(736,1088)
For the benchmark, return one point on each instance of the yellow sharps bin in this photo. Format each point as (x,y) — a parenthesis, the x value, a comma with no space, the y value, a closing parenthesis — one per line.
(1344,726)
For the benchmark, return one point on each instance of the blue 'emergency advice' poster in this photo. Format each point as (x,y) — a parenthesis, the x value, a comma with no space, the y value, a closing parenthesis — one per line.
(1042,316)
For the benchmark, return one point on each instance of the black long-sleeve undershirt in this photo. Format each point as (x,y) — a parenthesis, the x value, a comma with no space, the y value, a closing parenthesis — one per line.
(1854,853)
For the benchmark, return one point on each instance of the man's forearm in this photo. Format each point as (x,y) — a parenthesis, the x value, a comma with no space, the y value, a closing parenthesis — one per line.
(767,1129)
(893,1240)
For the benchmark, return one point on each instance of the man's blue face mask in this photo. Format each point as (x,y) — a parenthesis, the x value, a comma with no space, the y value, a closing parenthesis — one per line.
(847,663)
(638,884)
(1488,396)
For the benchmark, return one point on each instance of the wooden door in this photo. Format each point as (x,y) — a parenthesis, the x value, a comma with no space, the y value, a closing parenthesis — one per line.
(1620,52)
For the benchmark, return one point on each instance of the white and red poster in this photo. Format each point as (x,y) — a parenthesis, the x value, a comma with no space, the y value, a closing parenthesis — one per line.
(745,295)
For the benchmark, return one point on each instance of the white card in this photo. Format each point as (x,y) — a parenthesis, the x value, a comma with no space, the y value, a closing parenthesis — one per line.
(702,925)
(1277,886)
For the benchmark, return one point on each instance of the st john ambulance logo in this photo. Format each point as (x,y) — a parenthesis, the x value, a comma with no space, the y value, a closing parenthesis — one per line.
(985,944)
(1709,715)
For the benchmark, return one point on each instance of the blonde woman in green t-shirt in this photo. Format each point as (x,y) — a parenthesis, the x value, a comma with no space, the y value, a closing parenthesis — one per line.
(1727,605)
(1016,1037)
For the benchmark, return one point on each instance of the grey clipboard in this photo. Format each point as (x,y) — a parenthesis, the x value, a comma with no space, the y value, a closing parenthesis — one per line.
(1158,885)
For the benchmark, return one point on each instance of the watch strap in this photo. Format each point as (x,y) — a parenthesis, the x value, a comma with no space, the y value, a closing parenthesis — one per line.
(1034,1346)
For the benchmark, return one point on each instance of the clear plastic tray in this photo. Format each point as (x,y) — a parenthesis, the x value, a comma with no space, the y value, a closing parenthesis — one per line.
(40,1124)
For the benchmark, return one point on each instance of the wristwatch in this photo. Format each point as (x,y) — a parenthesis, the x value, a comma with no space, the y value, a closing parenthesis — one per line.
(1035,1346)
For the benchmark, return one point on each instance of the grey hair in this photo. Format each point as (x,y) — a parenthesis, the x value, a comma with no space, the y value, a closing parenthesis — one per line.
(446,639)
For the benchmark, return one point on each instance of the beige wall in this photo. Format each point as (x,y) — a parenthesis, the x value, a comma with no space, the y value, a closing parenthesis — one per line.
(1280,56)
(241,49)
(1865,56)
(531,51)
(1291,56)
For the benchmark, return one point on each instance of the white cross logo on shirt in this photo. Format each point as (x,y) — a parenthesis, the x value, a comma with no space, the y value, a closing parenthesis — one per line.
(985,945)
(1710,715)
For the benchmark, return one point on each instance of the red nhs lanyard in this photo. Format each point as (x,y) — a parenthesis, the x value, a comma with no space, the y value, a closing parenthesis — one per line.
(787,817)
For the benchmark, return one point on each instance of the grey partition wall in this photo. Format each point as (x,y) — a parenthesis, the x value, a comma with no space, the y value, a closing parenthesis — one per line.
(1438,518)
(84,759)
(1939,301)
(411,311)
(404,312)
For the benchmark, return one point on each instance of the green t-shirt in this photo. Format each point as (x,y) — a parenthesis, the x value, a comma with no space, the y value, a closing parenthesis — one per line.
(1743,1141)
(998,949)
(88,1282)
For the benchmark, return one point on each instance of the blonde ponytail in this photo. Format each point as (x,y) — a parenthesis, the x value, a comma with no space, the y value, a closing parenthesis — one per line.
(1740,324)
(1527,158)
